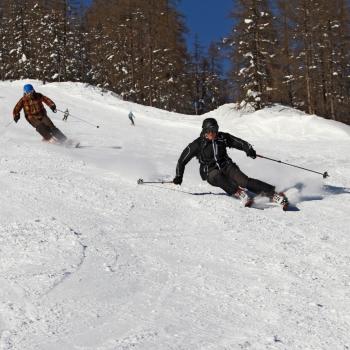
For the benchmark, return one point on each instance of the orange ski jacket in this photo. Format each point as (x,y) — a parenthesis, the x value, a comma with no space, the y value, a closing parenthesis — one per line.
(32,105)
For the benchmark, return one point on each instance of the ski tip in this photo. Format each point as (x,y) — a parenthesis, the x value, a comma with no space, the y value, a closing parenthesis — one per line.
(325,175)
(140,181)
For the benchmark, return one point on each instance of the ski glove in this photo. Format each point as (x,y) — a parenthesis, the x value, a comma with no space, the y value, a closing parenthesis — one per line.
(16,118)
(177,180)
(251,152)
(53,108)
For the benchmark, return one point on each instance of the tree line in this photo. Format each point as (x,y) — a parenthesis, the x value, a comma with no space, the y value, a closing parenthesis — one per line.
(135,48)
(294,52)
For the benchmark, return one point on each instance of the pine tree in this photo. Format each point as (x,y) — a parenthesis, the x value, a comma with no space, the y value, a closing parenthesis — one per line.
(285,74)
(317,54)
(216,94)
(77,62)
(252,42)
(137,50)
(4,45)
(18,39)
(307,25)
(205,75)
(196,69)
(333,58)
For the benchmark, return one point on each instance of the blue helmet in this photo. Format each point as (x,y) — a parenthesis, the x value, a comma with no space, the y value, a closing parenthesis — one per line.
(28,88)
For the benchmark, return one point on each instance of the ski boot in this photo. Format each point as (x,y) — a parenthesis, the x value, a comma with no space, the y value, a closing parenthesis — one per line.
(243,196)
(281,199)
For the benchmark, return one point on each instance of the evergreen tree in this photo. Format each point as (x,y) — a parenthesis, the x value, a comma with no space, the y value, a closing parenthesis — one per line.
(18,39)
(285,73)
(196,70)
(142,44)
(216,94)
(253,50)
(206,84)
(314,49)
(333,59)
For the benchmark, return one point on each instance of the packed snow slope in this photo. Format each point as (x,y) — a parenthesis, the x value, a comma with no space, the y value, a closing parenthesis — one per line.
(91,260)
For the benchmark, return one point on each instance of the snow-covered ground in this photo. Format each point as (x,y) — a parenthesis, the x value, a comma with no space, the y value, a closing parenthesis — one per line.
(91,260)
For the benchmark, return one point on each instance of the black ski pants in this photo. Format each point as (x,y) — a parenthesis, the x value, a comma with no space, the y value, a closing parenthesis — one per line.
(230,177)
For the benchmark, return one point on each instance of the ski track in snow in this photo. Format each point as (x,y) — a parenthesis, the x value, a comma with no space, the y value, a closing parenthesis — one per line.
(91,260)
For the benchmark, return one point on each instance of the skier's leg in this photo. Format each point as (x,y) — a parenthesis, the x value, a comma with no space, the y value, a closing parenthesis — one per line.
(58,134)
(44,131)
(253,185)
(230,186)
(37,123)
(234,173)
(55,132)
(256,186)
(218,179)
(260,187)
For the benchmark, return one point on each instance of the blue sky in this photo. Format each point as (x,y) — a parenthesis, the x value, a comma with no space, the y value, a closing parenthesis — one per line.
(208,18)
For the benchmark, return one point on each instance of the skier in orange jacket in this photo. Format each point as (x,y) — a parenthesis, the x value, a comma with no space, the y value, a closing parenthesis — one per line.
(35,113)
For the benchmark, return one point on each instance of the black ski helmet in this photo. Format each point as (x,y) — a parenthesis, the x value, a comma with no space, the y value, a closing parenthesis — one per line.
(210,124)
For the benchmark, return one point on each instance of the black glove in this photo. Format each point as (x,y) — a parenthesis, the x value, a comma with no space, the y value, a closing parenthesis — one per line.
(53,108)
(177,180)
(16,118)
(251,152)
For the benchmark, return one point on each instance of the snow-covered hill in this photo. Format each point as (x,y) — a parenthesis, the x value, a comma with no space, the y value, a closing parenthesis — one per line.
(91,260)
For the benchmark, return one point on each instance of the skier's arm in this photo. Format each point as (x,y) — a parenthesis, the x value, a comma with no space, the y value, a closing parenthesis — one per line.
(235,142)
(49,103)
(17,110)
(187,154)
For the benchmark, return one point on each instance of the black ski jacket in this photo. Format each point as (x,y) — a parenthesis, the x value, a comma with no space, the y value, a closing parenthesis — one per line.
(211,154)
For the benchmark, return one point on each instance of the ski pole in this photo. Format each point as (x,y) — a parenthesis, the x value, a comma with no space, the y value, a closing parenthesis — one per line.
(141,182)
(325,174)
(66,114)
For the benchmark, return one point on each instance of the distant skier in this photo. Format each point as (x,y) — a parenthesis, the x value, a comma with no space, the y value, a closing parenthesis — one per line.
(131,117)
(35,113)
(218,168)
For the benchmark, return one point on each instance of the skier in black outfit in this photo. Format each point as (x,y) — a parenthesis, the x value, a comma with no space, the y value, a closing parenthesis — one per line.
(217,167)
